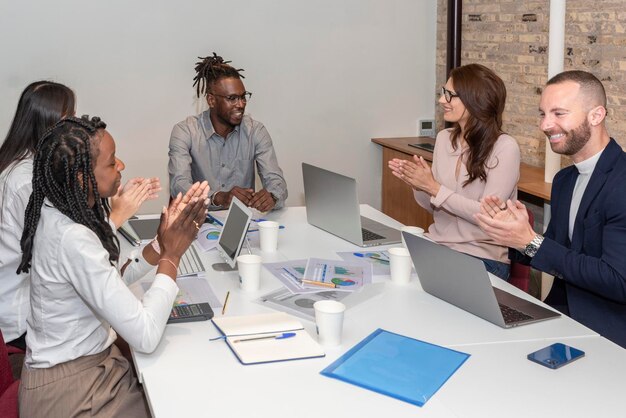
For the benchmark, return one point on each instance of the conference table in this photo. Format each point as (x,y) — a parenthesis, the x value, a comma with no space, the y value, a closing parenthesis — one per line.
(187,375)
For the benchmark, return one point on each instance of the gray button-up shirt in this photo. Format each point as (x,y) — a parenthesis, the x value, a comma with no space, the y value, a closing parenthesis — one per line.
(198,153)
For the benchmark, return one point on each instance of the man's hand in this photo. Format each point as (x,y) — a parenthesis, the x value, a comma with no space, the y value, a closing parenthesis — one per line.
(416,173)
(262,201)
(131,196)
(223,198)
(508,227)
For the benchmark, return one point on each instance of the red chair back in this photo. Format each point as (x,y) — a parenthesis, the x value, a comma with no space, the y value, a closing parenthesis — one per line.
(9,387)
(520,273)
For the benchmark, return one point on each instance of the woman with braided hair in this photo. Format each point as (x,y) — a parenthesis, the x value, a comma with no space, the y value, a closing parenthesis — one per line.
(223,145)
(41,105)
(78,300)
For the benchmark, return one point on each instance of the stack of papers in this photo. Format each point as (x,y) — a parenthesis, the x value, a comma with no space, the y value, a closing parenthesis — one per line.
(317,275)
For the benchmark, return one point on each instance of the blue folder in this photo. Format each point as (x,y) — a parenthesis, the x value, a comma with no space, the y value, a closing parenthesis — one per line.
(394,365)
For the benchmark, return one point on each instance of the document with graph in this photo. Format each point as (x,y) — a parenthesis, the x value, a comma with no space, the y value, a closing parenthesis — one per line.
(336,274)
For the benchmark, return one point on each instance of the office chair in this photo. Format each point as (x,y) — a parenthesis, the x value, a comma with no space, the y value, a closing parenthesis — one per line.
(520,274)
(8,386)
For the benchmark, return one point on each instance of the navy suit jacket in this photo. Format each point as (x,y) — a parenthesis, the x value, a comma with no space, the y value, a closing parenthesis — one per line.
(593,264)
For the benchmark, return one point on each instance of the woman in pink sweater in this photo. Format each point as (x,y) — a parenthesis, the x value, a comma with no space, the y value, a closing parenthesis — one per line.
(471,160)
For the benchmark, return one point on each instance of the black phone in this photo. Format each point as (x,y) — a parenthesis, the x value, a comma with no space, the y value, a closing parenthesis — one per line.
(556,355)
(190,313)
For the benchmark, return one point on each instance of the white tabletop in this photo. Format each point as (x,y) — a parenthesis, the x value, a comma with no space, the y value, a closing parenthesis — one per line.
(188,375)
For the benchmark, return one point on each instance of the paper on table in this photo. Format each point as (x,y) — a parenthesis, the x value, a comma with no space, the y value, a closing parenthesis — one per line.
(301,305)
(208,235)
(290,273)
(394,365)
(345,276)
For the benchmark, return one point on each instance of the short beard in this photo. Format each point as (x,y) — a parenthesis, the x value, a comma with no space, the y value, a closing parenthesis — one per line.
(576,139)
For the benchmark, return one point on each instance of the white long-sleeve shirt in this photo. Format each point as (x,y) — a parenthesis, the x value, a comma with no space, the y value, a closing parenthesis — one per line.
(15,190)
(77,298)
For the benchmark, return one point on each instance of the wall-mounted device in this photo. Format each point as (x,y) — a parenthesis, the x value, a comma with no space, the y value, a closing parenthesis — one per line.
(426,127)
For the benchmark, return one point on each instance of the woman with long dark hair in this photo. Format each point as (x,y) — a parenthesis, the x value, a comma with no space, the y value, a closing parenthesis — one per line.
(41,105)
(471,160)
(78,299)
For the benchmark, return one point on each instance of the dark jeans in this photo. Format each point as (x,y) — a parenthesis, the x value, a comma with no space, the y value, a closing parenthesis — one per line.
(497,268)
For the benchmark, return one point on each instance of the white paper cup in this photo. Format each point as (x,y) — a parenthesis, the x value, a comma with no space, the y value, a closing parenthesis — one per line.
(249,266)
(329,321)
(268,231)
(414,230)
(400,265)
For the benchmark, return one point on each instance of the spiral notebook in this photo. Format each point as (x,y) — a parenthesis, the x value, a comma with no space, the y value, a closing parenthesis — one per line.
(394,365)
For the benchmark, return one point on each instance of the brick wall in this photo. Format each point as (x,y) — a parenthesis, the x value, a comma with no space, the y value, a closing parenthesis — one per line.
(511,37)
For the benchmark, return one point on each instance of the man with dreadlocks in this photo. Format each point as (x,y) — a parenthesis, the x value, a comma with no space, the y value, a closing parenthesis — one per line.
(222,145)
(78,300)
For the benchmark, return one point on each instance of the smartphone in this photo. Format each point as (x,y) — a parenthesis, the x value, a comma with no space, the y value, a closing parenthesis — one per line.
(556,355)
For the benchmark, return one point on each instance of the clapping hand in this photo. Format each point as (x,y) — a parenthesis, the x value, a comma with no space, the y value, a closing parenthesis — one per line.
(131,196)
(416,173)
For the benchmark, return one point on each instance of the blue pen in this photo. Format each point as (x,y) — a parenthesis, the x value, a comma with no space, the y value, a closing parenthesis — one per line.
(282,336)
(213,220)
(380,260)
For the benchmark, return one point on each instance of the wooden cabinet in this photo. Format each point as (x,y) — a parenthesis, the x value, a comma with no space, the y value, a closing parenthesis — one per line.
(397,197)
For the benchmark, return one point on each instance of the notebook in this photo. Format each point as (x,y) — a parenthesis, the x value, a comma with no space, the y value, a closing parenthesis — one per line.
(332,204)
(394,365)
(463,281)
(252,338)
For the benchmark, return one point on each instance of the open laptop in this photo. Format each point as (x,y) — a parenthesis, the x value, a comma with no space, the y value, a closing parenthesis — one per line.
(464,282)
(332,204)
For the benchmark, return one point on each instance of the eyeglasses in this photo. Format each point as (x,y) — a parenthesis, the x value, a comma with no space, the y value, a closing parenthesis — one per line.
(233,98)
(448,94)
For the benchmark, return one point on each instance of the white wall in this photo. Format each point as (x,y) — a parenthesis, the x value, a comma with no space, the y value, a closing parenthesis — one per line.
(327,75)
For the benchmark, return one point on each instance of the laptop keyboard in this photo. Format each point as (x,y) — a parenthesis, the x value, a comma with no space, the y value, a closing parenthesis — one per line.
(370,236)
(513,315)
(190,263)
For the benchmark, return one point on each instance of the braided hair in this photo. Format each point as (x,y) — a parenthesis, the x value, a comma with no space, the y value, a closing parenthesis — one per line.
(63,173)
(212,69)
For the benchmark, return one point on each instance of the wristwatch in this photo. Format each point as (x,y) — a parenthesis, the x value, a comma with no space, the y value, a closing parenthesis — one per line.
(533,246)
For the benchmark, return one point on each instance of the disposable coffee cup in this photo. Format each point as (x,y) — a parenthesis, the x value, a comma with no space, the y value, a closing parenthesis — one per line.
(249,267)
(329,321)
(400,265)
(413,230)
(268,231)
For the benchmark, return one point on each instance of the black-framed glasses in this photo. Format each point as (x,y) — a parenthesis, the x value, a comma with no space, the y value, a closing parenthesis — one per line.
(233,98)
(448,94)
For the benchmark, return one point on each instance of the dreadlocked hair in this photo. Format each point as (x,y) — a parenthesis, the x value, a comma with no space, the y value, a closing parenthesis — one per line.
(65,154)
(211,69)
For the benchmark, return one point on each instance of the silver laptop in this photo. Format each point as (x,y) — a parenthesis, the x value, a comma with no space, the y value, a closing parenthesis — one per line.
(464,282)
(332,204)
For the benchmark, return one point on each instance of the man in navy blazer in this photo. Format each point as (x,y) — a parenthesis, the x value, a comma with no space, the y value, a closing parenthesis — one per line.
(584,246)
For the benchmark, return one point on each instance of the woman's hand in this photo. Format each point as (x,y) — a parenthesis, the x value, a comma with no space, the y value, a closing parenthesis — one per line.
(176,235)
(416,173)
(177,205)
(131,196)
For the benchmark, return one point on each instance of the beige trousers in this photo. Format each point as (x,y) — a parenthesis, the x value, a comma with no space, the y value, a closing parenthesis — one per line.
(101,385)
